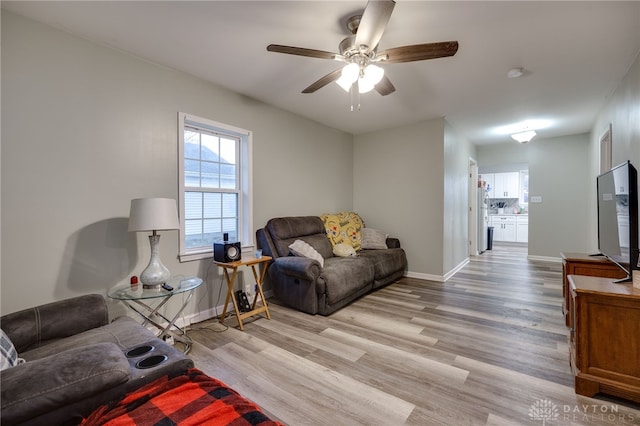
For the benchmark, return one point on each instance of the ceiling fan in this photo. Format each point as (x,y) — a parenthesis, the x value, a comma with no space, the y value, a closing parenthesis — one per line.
(359,52)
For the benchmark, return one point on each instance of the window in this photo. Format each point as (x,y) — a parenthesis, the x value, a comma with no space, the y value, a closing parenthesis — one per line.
(215,185)
(524,188)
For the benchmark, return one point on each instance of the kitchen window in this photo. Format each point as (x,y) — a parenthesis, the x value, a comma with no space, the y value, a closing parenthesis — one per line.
(524,188)
(214,185)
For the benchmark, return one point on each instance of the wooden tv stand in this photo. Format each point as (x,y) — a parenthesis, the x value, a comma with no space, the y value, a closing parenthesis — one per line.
(584,264)
(604,342)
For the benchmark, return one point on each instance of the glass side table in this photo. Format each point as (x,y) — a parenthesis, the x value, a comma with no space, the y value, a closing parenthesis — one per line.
(147,304)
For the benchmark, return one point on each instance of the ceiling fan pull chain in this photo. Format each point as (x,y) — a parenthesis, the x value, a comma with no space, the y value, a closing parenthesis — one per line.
(352,94)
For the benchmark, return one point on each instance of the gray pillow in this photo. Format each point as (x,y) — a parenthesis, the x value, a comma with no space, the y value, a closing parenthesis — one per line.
(374,239)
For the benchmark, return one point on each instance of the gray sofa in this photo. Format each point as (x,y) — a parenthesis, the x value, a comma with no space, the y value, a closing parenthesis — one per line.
(301,282)
(76,361)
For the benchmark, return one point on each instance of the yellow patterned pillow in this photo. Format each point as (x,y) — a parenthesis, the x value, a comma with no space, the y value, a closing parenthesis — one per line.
(344,228)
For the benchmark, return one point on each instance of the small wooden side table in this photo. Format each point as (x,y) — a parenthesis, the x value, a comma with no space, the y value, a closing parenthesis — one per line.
(584,264)
(257,275)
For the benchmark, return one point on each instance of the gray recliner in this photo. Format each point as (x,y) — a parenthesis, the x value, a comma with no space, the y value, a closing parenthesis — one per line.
(76,361)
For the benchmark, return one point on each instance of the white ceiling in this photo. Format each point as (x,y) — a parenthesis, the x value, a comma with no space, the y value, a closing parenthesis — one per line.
(574,54)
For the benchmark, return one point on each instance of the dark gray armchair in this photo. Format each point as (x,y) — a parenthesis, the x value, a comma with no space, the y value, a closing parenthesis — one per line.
(76,361)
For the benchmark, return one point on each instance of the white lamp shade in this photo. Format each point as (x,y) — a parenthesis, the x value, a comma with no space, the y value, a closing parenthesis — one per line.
(364,85)
(348,76)
(153,214)
(350,72)
(345,83)
(373,74)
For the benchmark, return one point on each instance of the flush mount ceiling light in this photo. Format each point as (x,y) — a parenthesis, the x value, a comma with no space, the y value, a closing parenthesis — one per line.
(522,126)
(515,73)
(524,137)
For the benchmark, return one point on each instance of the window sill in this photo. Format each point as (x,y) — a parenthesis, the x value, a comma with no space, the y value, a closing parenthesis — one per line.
(189,257)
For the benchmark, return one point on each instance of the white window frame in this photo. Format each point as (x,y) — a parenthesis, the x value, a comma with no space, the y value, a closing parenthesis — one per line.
(245,171)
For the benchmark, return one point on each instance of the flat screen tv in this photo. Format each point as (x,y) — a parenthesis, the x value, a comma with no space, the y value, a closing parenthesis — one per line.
(618,216)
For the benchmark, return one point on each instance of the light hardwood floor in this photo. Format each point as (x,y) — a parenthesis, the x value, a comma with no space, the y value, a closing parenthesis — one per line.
(488,347)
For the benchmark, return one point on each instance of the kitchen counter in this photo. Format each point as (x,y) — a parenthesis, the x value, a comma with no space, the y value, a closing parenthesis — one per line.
(511,227)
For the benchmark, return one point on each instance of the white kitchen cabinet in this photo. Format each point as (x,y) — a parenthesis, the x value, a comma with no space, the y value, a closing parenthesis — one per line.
(623,230)
(522,229)
(506,185)
(504,228)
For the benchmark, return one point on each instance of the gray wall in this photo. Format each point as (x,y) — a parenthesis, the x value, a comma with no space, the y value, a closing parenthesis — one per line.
(413,183)
(559,172)
(622,112)
(86,128)
(502,158)
(398,187)
(457,152)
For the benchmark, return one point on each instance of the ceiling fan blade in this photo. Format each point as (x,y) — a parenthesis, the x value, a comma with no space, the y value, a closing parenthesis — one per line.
(301,51)
(331,77)
(419,52)
(373,23)
(384,86)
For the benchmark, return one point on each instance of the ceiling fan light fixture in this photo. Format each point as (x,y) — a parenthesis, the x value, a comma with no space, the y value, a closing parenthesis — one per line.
(364,85)
(351,72)
(361,49)
(349,75)
(524,137)
(373,74)
(345,83)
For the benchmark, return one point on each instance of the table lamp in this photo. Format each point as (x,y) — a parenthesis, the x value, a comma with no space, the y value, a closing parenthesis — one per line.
(153,214)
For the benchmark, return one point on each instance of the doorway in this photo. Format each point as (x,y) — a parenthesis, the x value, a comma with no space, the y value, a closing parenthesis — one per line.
(507,191)
(605,151)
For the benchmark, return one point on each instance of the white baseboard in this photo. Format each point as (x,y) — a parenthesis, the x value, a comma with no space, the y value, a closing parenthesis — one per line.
(421,276)
(187,320)
(456,269)
(438,278)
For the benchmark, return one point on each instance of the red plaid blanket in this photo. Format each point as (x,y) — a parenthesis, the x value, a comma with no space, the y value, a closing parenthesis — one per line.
(192,398)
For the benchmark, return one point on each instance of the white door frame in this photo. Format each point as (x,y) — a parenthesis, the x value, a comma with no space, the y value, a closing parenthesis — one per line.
(473,207)
(605,151)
